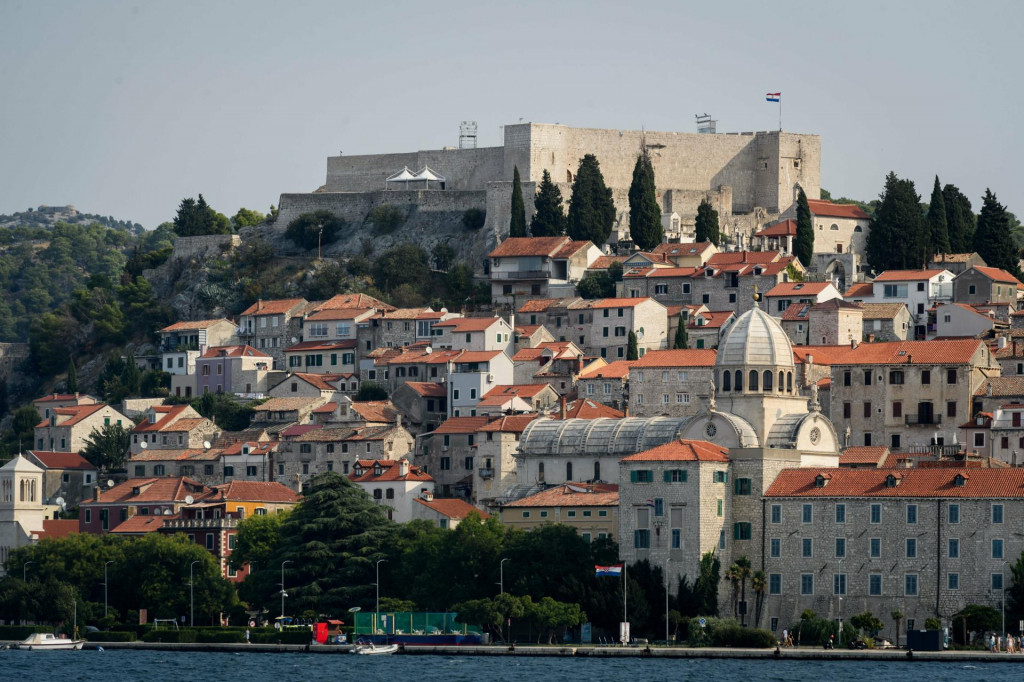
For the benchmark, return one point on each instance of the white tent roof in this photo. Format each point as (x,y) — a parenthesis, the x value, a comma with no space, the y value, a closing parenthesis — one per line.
(427,174)
(402,176)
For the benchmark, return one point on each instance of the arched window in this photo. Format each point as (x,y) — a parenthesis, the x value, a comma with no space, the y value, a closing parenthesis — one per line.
(789,382)
(767,387)
(540,471)
(834,227)
(739,380)
(858,228)
(32,496)
(597,471)
(22,490)
(782,382)
(752,380)
(726,380)
(568,471)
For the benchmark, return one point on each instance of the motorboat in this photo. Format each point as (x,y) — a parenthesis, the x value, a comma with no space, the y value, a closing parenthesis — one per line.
(44,641)
(371,649)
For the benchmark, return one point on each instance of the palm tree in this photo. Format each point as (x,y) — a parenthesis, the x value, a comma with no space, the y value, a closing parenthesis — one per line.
(743,564)
(733,576)
(897,616)
(759,581)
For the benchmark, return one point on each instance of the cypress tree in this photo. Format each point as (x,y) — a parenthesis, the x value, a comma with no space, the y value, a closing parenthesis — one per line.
(632,349)
(992,239)
(937,222)
(681,341)
(960,220)
(644,213)
(517,226)
(591,210)
(897,239)
(549,220)
(72,376)
(803,245)
(707,223)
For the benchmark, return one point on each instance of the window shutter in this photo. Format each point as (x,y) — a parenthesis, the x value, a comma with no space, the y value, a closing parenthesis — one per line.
(685,475)
(668,476)
(632,477)
(736,531)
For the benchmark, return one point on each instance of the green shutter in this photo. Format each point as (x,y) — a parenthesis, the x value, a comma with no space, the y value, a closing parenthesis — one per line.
(735,531)
(632,477)
(668,476)
(685,475)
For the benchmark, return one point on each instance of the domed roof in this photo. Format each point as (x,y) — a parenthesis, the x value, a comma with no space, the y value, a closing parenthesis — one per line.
(756,338)
(596,437)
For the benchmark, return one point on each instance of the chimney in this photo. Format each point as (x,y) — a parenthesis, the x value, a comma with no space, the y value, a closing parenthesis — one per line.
(561,407)
(1002,343)
(403,467)
(398,420)
(427,494)
(988,390)
(854,343)
(1014,348)
(625,409)
(96,492)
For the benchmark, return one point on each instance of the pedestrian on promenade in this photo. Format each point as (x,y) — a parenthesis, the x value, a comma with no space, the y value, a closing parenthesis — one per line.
(247,636)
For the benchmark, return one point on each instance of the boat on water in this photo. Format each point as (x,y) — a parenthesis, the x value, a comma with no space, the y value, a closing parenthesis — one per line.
(44,641)
(371,649)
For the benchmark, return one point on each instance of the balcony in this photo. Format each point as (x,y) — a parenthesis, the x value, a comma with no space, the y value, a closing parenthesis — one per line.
(520,274)
(486,473)
(193,524)
(923,419)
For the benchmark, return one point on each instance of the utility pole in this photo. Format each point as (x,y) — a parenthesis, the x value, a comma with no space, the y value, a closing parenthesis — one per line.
(283,593)
(501,574)
(191,593)
(379,562)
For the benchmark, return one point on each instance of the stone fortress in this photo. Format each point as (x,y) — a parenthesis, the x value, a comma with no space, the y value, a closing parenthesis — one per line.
(750,178)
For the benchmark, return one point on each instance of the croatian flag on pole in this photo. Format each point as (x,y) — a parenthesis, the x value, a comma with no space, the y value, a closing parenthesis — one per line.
(773,96)
(608,571)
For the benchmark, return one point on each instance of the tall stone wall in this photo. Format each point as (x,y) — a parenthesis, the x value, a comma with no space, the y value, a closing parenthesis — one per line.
(463,169)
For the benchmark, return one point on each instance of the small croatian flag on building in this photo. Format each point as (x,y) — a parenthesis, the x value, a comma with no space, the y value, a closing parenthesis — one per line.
(608,571)
(773,96)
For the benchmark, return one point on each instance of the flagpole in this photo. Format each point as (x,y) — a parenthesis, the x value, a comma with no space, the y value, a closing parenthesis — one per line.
(625,592)
(780,113)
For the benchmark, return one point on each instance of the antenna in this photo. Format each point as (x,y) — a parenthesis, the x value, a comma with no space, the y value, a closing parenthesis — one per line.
(705,124)
(467,135)
(189,499)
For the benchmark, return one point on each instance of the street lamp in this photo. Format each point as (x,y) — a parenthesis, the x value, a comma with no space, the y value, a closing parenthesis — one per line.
(666,601)
(379,562)
(283,593)
(23,567)
(501,574)
(191,593)
(105,564)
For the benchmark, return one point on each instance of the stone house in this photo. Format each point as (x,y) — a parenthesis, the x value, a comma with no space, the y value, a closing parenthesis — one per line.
(538,267)
(474,334)
(668,286)
(233,369)
(556,363)
(530,336)
(670,383)
(496,444)
(956,262)
(614,319)
(886,321)
(444,513)
(839,228)
(995,392)
(729,280)
(306,452)
(138,496)
(322,357)
(449,455)
(687,255)
(284,412)
(984,285)
(958,319)
(785,294)
(919,289)
(998,434)
(591,509)
(395,485)
(335,324)
(908,393)
(198,464)
(401,327)
(473,374)
(48,403)
(1010,354)
(417,364)
(306,385)
(272,326)
(607,384)
(836,322)
(796,321)
(249,461)
(424,405)
(67,428)
(517,398)
(704,328)
(66,475)
(172,427)
(182,343)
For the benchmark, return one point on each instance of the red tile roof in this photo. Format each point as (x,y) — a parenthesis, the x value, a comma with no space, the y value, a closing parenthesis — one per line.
(529,246)
(682,451)
(619,302)
(796,312)
(1002,386)
(682,249)
(538,305)
(713,319)
(62,460)
(613,370)
(913,483)
(452,508)
(57,528)
(827,208)
(194,325)
(936,352)
(376,411)
(798,288)
(76,414)
(468,324)
(348,301)
(166,415)
(234,352)
(319,381)
(571,249)
(62,397)
(277,307)
(390,471)
(462,425)
(170,489)
(256,491)
(748,257)
(906,275)
(882,311)
(572,495)
(517,390)
(861,290)
(865,454)
(691,357)
(428,389)
(604,262)
(583,408)
(140,524)
(514,423)
(997,274)
(785,228)
(478,356)
(345,344)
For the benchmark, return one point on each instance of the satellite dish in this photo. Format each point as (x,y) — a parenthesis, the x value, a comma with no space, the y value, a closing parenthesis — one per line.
(110,483)
(143,445)
(189,499)
(59,502)
(167,512)
(355,609)
(295,339)
(207,445)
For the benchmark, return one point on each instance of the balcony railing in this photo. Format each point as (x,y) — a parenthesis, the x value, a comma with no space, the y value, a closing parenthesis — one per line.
(521,274)
(923,419)
(184,524)
(486,473)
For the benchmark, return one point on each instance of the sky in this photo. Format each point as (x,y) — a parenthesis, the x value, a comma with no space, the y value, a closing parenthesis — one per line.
(124,108)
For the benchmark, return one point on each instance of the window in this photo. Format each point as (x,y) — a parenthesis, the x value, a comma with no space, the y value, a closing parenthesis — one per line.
(839,583)
(911,513)
(840,548)
(876,513)
(720,477)
(806,583)
(641,476)
(954,513)
(776,513)
(659,506)
(875,548)
(997,549)
(229,470)
(140,470)
(742,486)
(867,410)
(997,581)
(897,409)
(847,410)
(775,548)
(808,513)
(775,583)
(950,376)
(446,464)
(926,375)
(807,548)
(719,513)
(997,513)
(642,538)
(979,439)
(840,513)
(209,541)
(875,584)
(911,548)
(526,514)
(671,475)
(158,470)
(910,586)
(847,379)
(896,377)
(954,548)
(741,531)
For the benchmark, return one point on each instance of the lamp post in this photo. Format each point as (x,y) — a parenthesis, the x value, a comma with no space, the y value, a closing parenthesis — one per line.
(283,593)
(105,564)
(501,574)
(666,600)
(23,567)
(191,593)
(377,584)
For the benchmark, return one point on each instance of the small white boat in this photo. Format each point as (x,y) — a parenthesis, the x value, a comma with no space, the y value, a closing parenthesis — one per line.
(44,641)
(371,649)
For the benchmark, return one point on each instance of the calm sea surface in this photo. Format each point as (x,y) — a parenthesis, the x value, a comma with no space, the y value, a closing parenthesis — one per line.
(120,666)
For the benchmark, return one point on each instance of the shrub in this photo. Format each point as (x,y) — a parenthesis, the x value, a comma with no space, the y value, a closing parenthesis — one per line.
(284,637)
(221,636)
(19,632)
(305,230)
(112,636)
(385,218)
(175,636)
(474,218)
(727,632)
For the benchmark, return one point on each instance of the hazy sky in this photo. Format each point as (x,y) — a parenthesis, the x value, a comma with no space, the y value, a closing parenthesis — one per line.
(123,108)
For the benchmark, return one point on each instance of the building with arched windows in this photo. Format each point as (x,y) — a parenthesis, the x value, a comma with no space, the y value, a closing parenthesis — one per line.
(22,511)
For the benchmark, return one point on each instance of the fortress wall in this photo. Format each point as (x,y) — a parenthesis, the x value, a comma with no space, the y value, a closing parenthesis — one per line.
(186,248)
(464,169)
(353,206)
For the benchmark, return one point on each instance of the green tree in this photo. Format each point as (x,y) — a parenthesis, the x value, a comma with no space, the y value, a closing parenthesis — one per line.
(596,284)
(937,229)
(897,616)
(23,424)
(52,340)
(369,390)
(803,245)
(759,583)
(257,539)
(474,218)
(681,341)
(4,398)
(550,616)
(443,256)
(992,238)
(196,218)
(644,213)
(706,224)
(549,219)
(247,218)
(72,382)
(591,209)
(1015,591)
(458,285)
(867,623)
(960,220)
(107,448)
(517,225)
(328,279)
(977,618)
(632,350)
(402,264)
(386,218)
(706,586)
(316,229)
(899,235)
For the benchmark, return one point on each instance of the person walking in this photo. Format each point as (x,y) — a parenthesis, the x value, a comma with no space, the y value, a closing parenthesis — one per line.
(247,636)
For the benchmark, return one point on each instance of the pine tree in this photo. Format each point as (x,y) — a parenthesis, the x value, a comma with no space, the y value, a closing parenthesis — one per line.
(72,376)
(992,239)
(898,237)
(681,341)
(632,349)
(707,223)
(803,245)
(644,214)
(591,210)
(960,220)
(517,226)
(549,220)
(937,222)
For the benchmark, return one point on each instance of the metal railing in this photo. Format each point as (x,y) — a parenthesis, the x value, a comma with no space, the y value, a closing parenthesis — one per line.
(923,419)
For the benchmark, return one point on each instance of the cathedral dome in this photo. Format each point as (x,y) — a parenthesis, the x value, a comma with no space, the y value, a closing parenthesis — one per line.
(756,339)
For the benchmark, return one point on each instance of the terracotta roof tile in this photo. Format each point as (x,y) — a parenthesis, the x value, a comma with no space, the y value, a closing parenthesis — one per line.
(195,325)
(798,288)
(344,344)
(996,274)
(234,352)
(339,314)
(913,483)
(882,311)
(428,389)
(515,390)
(864,454)
(570,249)
(538,305)
(1002,387)
(827,208)
(713,319)
(62,460)
(140,524)
(514,423)
(613,370)
(376,411)
(619,302)
(572,495)
(529,246)
(860,290)
(743,257)
(584,408)
(390,471)
(62,397)
(256,491)
(461,325)
(604,262)
(452,508)
(691,357)
(278,307)
(682,249)
(348,301)
(906,275)
(682,451)
(76,414)
(936,352)
(784,228)
(58,528)
(796,312)
(170,489)
(462,425)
